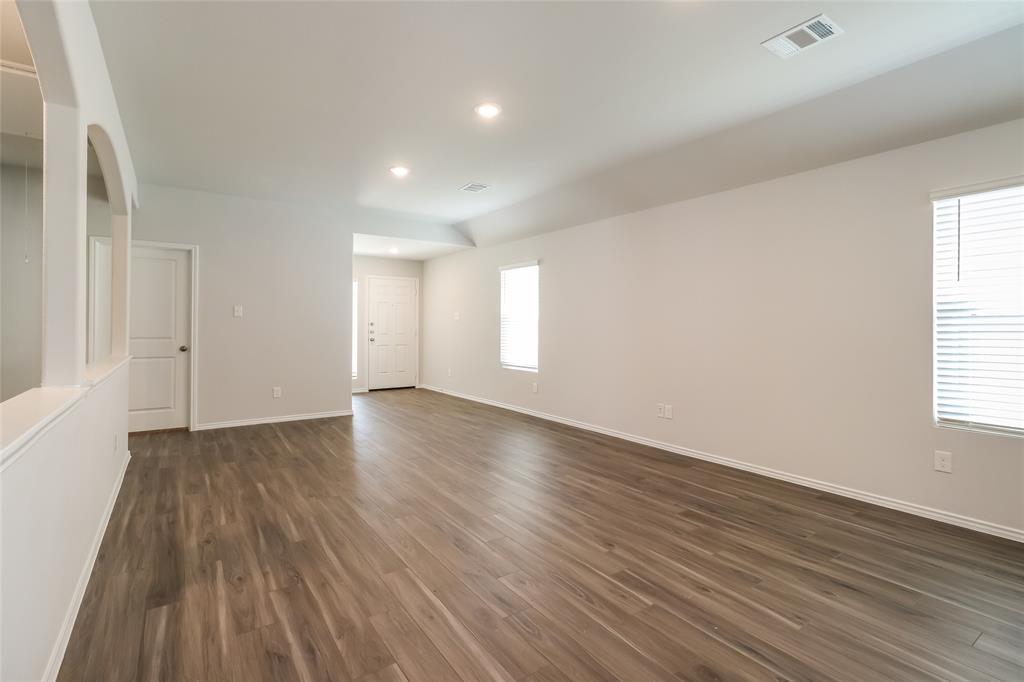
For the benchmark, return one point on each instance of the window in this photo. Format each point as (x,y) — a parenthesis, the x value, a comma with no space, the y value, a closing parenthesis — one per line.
(520,311)
(355,329)
(979,310)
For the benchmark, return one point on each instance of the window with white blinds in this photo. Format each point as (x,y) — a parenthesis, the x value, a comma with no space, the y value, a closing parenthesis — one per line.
(520,314)
(979,310)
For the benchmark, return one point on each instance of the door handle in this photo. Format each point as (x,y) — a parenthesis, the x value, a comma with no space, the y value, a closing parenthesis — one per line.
(371,339)
(183,348)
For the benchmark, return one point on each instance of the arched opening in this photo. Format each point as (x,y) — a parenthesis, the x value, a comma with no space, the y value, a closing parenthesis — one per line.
(107,251)
(99,263)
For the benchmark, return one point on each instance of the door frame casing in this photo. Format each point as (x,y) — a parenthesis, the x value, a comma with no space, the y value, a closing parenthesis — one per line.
(193,369)
(90,287)
(415,326)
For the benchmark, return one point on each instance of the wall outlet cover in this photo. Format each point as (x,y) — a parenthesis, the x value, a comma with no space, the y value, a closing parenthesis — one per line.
(277,391)
(944,461)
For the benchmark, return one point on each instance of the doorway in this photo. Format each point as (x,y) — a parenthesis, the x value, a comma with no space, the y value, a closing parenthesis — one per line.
(161,335)
(393,323)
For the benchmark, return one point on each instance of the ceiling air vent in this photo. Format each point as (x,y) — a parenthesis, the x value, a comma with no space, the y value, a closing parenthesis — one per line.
(802,36)
(475,187)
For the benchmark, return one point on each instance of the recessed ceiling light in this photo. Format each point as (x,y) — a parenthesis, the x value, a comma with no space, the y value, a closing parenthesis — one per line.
(488,110)
(399,171)
(393,251)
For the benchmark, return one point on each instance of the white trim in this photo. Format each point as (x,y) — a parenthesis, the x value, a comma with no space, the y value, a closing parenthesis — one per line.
(61,645)
(90,319)
(976,188)
(271,420)
(18,69)
(516,266)
(1007,532)
(360,390)
(977,427)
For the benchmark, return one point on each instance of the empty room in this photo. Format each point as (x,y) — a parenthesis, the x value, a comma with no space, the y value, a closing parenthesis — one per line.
(528,341)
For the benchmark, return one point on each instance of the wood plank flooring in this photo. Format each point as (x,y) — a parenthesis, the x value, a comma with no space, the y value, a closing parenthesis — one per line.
(431,539)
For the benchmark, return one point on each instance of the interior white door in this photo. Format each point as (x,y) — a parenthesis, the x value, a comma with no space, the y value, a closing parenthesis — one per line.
(159,337)
(393,321)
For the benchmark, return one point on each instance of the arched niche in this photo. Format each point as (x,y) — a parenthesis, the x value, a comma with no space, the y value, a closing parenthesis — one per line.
(110,168)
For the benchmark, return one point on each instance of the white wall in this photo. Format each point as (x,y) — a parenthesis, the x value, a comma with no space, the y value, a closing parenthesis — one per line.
(291,270)
(367,266)
(56,494)
(21,325)
(787,322)
(21,288)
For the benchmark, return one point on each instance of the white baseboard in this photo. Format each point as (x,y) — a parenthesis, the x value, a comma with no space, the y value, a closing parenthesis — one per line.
(360,390)
(1007,532)
(271,420)
(61,645)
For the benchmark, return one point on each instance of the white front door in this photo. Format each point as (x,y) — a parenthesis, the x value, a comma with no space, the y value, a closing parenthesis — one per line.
(160,334)
(393,322)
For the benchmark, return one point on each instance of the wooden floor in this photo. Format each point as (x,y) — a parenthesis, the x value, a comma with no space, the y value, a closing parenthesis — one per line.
(430,538)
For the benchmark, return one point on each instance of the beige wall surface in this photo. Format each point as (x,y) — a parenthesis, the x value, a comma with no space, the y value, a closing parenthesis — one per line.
(368,266)
(21,288)
(787,322)
(290,269)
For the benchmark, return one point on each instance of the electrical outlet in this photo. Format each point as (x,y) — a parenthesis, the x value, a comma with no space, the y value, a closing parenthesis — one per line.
(944,461)
(535,387)
(668,411)
(238,311)
(449,371)
(660,410)
(458,315)
(277,391)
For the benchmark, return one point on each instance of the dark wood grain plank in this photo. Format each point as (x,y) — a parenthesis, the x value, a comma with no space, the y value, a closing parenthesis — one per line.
(431,539)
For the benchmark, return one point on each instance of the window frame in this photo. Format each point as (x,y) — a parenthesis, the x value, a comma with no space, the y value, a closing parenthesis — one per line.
(501,270)
(940,422)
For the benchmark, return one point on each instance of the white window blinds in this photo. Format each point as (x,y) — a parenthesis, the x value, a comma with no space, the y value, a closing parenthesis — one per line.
(979,310)
(520,312)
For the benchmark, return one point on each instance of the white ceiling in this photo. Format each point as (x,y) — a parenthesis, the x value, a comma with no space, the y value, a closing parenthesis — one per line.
(407,249)
(971,86)
(314,101)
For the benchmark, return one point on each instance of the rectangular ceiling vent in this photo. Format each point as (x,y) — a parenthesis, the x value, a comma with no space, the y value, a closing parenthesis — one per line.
(475,187)
(802,36)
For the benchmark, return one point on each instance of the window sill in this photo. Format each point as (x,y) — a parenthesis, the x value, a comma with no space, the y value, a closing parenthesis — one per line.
(981,428)
(532,370)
